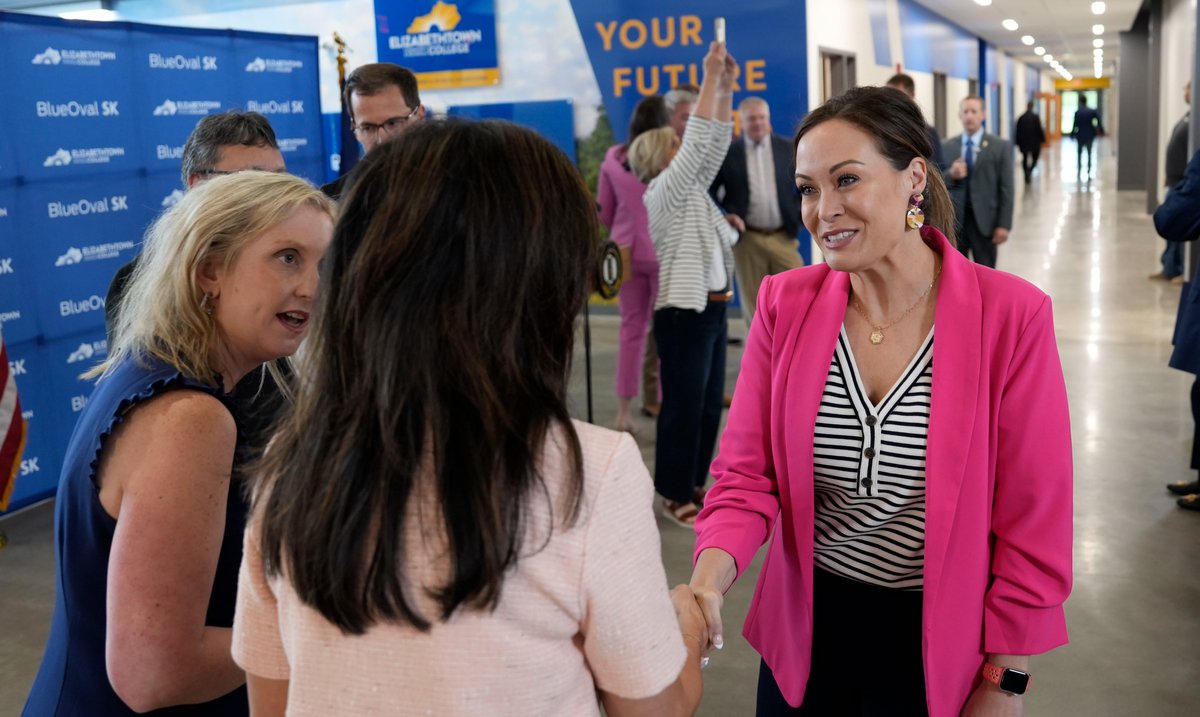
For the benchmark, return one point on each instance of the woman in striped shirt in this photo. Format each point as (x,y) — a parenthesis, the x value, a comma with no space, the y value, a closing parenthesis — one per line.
(901,436)
(695,266)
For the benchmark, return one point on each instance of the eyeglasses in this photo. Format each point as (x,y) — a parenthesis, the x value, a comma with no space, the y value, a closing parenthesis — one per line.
(224,172)
(389,126)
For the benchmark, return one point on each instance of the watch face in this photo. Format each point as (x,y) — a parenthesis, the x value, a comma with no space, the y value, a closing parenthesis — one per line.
(1014,681)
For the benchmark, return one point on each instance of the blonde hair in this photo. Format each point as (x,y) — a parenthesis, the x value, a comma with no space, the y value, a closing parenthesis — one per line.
(648,155)
(162,313)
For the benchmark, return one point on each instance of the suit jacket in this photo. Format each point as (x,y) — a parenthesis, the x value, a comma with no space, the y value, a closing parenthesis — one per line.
(734,178)
(998,518)
(991,183)
(1087,124)
(1030,134)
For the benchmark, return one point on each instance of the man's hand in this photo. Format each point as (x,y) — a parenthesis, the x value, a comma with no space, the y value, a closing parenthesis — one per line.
(958,169)
(999,235)
(736,222)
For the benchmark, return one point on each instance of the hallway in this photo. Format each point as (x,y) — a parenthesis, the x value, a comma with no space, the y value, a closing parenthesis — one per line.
(1135,636)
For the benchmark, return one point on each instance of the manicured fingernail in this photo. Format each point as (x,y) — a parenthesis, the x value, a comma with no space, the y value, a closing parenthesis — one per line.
(719,642)
(704,663)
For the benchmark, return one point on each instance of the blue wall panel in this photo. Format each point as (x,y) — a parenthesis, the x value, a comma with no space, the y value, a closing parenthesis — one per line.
(934,44)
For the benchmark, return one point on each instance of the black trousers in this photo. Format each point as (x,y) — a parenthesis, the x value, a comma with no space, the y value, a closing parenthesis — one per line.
(1196,424)
(691,354)
(866,655)
(1029,160)
(973,244)
(1083,149)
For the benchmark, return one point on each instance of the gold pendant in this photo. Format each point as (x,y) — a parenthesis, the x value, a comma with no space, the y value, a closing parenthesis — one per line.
(877,337)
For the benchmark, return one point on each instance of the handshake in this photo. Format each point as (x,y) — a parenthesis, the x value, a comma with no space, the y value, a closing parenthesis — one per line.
(699,618)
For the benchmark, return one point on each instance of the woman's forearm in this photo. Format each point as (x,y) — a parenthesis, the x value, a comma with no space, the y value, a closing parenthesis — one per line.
(715,569)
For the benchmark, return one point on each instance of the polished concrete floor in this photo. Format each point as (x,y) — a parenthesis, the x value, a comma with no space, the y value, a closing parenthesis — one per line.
(1135,635)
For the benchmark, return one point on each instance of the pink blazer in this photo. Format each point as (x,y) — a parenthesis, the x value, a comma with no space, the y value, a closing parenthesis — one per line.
(998,475)
(619,198)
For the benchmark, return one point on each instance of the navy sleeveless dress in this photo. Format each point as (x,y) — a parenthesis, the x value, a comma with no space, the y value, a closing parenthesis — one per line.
(73,679)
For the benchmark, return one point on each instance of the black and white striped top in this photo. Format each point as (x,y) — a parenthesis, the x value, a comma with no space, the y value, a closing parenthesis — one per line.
(869,473)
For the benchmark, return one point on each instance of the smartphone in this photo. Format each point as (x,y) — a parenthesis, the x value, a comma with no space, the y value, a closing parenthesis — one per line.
(719,27)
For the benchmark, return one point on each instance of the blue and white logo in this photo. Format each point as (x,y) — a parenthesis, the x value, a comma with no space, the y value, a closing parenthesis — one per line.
(83,306)
(196,108)
(172,199)
(276,107)
(268,64)
(96,252)
(74,108)
(78,58)
(198,63)
(6,316)
(84,207)
(87,351)
(291,144)
(166,151)
(91,155)
(6,265)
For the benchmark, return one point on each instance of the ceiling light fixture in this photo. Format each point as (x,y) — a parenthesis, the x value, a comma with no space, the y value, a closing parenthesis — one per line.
(1027,39)
(1010,24)
(1098,52)
(1039,50)
(1097,42)
(984,3)
(1097,29)
(1098,8)
(1048,58)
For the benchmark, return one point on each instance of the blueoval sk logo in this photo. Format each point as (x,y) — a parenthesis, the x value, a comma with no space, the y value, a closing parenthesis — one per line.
(172,199)
(87,351)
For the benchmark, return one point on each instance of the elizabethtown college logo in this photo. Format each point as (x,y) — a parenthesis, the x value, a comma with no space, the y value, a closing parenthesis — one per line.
(96,252)
(88,350)
(79,58)
(172,199)
(436,34)
(49,57)
(443,16)
(91,155)
(270,64)
(171,108)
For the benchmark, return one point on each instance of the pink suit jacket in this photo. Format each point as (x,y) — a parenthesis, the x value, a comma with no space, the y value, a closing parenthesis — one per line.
(998,521)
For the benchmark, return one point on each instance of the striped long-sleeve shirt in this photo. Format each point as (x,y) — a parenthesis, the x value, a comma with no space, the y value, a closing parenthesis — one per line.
(688,230)
(869,473)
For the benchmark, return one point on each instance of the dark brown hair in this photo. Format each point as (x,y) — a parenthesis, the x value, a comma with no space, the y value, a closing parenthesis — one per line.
(370,80)
(896,123)
(213,133)
(903,82)
(439,361)
(650,113)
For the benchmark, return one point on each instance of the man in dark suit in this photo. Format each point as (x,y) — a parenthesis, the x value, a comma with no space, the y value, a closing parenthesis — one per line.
(1030,137)
(904,82)
(1176,162)
(756,189)
(980,180)
(383,101)
(1087,126)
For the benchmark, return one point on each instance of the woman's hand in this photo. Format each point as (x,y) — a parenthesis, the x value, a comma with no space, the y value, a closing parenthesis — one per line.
(691,619)
(715,571)
(729,74)
(710,601)
(988,701)
(714,61)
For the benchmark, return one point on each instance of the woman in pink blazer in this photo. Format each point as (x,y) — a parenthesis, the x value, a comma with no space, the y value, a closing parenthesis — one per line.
(619,198)
(922,583)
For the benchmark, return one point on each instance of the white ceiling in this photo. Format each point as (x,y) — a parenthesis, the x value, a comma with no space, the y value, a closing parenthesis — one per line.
(1063,27)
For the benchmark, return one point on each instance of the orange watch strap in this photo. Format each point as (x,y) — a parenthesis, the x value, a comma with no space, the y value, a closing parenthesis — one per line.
(992,674)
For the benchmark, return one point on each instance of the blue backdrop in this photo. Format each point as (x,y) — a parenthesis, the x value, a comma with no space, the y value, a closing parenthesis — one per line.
(101,112)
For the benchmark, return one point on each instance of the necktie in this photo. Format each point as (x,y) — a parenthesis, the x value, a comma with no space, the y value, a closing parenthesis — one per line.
(970,156)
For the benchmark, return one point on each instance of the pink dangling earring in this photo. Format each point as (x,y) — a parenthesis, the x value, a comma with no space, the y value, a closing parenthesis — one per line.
(915,217)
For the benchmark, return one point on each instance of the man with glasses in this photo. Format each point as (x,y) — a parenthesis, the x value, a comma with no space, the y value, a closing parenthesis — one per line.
(383,101)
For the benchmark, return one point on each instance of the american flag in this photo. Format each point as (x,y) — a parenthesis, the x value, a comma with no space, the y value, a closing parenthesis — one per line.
(12,428)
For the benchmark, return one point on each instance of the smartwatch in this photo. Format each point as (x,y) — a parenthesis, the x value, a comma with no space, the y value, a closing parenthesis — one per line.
(1014,682)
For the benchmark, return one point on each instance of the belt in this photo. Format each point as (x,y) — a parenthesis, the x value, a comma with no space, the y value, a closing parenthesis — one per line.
(776,230)
(720,297)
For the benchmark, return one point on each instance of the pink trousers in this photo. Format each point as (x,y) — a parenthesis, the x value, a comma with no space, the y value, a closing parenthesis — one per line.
(636,305)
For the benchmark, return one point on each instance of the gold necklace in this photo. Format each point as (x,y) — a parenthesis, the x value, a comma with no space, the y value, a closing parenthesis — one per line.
(877,331)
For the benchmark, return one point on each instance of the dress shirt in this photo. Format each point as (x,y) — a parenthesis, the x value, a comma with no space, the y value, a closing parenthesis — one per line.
(763,210)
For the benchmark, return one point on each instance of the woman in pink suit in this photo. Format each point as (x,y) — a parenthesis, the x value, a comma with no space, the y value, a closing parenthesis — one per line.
(901,436)
(619,196)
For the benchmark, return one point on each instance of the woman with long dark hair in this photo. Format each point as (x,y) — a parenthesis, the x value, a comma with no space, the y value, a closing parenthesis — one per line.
(901,437)
(432,533)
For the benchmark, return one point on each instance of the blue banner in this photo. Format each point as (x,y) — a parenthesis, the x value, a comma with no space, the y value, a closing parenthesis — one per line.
(645,48)
(553,119)
(102,111)
(446,44)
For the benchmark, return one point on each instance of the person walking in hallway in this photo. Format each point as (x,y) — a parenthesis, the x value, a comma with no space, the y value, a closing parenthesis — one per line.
(1030,137)
(756,188)
(904,82)
(1087,126)
(1175,166)
(981,184)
